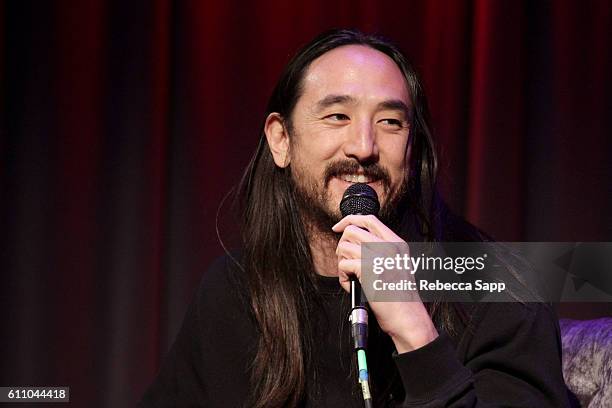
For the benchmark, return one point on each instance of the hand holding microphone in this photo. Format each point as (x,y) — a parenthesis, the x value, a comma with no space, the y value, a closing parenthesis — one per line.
(407,323)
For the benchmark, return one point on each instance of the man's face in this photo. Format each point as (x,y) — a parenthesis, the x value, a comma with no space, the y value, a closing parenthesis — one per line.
(351,124)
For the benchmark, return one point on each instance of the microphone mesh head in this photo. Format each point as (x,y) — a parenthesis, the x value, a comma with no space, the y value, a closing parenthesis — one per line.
(359,199)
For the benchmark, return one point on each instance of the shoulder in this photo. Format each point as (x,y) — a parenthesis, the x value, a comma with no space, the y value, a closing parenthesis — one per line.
(223,287)
(225,322)
(213,348)
(514,312)
(222,274)
(526,324)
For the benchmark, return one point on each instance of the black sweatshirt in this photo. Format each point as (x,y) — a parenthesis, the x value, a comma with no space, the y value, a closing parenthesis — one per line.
(509,356)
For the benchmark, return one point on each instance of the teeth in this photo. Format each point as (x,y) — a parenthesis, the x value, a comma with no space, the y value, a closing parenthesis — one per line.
(356,178)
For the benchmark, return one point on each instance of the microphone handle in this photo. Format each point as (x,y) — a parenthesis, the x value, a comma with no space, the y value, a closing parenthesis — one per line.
(358,317)
(355,292)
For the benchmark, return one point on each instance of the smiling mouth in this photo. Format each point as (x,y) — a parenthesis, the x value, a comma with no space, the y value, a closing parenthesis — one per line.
(356,178)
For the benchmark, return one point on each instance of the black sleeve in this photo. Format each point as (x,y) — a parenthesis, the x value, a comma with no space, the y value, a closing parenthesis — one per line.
(208,363)
(512,358)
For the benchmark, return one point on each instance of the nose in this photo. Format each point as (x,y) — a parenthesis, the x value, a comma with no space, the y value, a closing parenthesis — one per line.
(361,143)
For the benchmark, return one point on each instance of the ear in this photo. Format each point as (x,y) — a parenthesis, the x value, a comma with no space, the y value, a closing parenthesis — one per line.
(278,139)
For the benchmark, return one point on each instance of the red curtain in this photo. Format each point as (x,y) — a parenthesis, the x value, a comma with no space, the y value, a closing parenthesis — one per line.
(125,123)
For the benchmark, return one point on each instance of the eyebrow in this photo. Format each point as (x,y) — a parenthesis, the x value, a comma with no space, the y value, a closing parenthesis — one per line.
(396,105)
(330,100)
(391,104)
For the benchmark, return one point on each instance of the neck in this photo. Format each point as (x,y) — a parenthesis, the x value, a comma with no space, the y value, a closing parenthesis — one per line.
(323,251)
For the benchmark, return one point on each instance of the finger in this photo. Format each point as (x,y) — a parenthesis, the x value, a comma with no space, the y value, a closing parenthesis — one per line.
(344,222)
(369,222)
(349,250)
(348,267)
(356,235)
(346,285)
(345,280)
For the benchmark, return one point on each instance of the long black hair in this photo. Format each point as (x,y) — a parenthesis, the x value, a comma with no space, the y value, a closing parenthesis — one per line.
(277,260)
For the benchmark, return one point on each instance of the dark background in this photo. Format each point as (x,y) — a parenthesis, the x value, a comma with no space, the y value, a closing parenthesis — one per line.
(124,123)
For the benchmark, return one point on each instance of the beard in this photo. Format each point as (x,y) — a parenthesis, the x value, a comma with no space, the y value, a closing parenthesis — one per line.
(315,204)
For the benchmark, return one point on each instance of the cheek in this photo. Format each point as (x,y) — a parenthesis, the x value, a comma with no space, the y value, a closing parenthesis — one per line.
(396,158)
(314,150)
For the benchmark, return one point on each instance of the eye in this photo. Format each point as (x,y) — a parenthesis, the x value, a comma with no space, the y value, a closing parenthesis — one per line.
(395,123)
(337,117)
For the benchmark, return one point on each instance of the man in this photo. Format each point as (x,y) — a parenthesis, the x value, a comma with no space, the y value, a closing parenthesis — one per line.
(268,327)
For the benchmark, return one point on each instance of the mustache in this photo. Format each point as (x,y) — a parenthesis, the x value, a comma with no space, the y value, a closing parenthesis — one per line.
(373,171)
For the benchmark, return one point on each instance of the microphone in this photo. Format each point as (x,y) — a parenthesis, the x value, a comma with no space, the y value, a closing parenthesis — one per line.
(360,199)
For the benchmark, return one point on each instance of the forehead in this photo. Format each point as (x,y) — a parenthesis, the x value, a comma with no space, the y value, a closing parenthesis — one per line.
(358,71)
